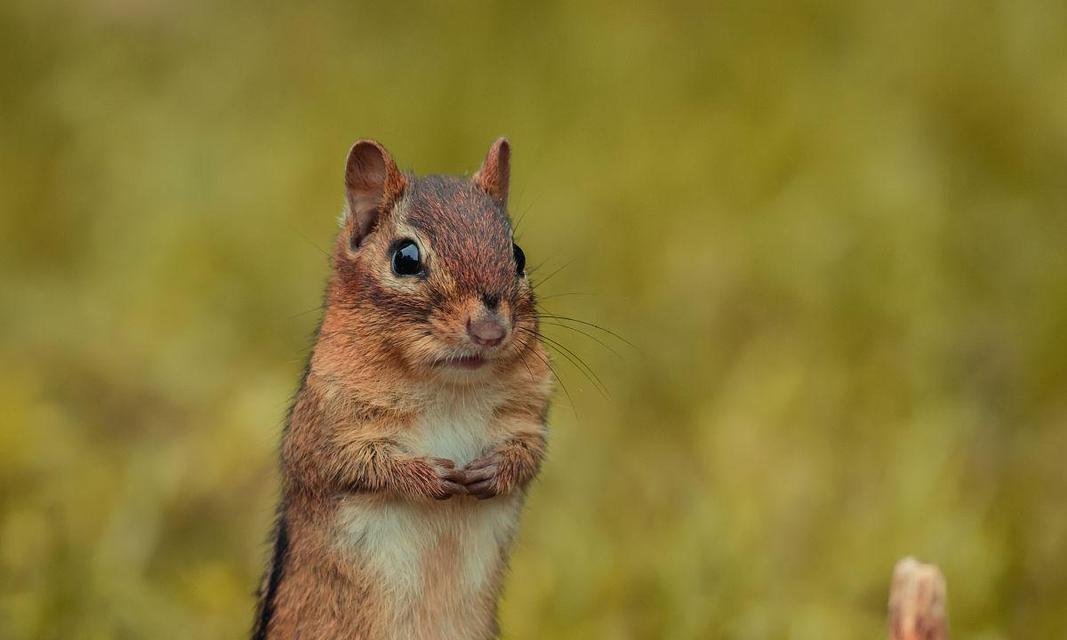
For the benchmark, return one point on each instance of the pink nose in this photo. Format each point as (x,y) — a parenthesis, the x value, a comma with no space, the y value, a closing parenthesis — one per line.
(486,332)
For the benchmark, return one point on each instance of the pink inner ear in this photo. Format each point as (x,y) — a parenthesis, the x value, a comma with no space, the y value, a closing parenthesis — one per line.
(494,175)
(373,182)
(371,172)
(366,170)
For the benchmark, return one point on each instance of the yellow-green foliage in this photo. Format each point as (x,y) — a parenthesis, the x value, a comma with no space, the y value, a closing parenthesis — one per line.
(835,232)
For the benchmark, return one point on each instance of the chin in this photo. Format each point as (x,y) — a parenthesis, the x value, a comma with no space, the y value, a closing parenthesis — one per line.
(464,371)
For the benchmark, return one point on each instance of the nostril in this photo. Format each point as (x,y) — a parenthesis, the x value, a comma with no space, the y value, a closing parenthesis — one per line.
(486,333)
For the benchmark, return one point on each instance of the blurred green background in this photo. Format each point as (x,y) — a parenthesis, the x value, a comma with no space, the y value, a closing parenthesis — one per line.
(835,232)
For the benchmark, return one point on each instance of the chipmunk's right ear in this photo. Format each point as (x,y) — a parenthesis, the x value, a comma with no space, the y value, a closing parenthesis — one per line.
(373,184)
(495,172)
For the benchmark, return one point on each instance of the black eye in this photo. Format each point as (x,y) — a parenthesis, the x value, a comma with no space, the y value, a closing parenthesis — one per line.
(520,258)
(406,260)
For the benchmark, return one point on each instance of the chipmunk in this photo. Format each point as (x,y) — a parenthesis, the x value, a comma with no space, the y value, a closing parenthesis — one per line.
(421,416)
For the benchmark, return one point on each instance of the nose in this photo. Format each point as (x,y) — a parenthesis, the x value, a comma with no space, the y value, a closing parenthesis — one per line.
(486,332)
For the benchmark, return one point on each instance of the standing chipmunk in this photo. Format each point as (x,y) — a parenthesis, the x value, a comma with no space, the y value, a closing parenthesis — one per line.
(421,416)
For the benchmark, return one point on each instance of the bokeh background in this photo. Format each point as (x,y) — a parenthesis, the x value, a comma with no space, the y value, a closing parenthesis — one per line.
(835,234)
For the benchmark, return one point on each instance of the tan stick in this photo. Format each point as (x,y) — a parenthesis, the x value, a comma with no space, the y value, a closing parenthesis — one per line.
(917,602)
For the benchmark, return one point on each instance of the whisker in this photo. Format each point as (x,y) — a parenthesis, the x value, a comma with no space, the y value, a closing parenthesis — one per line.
(555,375)
(522,216)
(575,360)
(537,267)
(304,313)
(581,361)
(577,366)
(549,276)
(587,335)
(522,356)
(552,316)
(311,242)
(562,295)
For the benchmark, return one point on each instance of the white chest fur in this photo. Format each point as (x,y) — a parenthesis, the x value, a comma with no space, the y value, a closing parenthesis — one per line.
(442,556)
(455,427)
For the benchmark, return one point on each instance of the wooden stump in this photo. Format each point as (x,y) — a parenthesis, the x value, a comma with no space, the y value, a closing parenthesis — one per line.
(917,602)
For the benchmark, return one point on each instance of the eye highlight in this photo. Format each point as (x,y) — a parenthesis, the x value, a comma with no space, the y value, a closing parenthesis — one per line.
(406,258)
(520,258)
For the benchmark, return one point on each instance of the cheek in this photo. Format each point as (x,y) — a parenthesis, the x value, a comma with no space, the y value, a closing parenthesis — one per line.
(400,308)
(524,311)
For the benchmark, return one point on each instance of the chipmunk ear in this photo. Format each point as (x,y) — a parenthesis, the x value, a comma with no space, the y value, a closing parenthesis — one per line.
(494,175)
(373,184)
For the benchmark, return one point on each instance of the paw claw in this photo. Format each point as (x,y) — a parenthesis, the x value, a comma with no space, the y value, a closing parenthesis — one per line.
(449,489)
(435,478)
(482,476)
(455,475)
(479,474)
(483,489)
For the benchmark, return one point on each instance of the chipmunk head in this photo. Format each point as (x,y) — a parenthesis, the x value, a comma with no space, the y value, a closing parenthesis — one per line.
(429,267)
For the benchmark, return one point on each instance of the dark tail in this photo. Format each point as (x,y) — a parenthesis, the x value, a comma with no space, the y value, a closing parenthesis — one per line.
(269,587)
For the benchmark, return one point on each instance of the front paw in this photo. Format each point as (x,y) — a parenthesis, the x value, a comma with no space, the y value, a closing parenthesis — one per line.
(435,478)
(485,478)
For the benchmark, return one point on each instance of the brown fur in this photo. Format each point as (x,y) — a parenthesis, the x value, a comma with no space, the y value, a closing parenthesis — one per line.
(374,386)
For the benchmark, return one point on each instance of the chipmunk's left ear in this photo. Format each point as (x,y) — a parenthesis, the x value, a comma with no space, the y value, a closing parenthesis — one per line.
(373,184)
(495,173)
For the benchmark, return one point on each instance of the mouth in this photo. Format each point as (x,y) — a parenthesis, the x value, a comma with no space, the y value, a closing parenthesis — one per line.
(466,362)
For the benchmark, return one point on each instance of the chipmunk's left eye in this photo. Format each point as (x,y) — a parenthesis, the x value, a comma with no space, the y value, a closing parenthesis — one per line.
(520,258)
(406,258)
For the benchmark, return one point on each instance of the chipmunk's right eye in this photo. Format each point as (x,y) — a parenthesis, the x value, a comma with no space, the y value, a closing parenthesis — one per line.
(520,258)
(406,258)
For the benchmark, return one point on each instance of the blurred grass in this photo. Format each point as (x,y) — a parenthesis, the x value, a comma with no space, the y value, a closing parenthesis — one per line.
(835,232)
